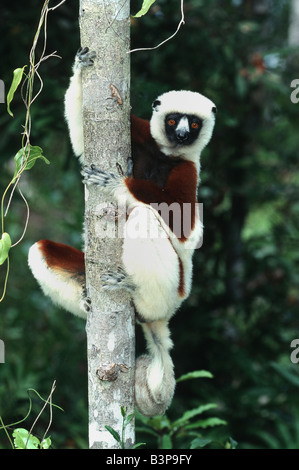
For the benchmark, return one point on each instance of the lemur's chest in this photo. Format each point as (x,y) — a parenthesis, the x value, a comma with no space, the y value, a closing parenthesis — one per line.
(151,164)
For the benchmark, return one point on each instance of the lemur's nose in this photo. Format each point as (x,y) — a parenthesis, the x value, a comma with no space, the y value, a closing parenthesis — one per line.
(182,135)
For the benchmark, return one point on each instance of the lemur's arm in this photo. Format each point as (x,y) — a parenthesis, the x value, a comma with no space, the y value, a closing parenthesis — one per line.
(73,101)
(178,193)
(180,187)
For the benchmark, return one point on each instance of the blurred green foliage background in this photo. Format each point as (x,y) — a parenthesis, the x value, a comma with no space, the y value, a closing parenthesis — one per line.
(243,311)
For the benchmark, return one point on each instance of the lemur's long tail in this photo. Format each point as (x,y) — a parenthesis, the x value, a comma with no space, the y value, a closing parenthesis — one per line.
(154,375)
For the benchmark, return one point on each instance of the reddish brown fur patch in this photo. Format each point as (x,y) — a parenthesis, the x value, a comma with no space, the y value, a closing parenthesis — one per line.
(60,256)
(180,188)
(140,130)
(181,288)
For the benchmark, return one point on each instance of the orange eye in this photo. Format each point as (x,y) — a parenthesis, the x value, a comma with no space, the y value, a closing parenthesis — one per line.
(194,125)
(171,122)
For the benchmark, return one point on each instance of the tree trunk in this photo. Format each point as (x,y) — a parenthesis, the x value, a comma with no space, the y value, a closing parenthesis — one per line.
(104,28)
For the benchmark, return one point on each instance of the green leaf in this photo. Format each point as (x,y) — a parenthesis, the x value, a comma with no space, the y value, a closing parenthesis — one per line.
(128,419)
(46,443)
(290,373)
(135,446)
(232,444)
(28,156)
(144,9)
(205,423)
(195,375)
(5,244)
(191,413)
(114,433)
(166,442)
(17,77)
(145,430)
(24,440)
(199,442)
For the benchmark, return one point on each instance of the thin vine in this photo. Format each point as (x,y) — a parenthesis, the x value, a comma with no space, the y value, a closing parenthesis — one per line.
(145,7)
(23,438)
(28,154)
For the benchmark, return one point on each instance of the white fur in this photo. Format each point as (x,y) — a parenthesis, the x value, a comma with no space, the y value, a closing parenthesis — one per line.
(152,263)
(184,102)
(151,253)
(73,111)
(154,376)
(183,125)
(62,289)
(158,349)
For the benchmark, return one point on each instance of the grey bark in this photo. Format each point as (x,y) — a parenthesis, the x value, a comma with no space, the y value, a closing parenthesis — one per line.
(104,28)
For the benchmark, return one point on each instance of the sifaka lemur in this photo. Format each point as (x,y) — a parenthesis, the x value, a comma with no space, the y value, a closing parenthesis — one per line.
(160,191)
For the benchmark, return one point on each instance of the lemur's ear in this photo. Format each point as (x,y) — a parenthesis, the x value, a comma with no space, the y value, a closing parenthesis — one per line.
(156,104)
(214,110)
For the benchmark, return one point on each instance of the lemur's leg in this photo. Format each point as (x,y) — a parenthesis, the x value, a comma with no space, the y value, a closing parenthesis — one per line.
(73,100)
(119,279)
(60,271)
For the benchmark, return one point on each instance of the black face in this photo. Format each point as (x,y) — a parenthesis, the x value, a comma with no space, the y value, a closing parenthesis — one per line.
(182,129)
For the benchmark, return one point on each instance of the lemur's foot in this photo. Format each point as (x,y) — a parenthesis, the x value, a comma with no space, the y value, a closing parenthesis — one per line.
(84,57)
(119,279)
(85,302)
(93,175)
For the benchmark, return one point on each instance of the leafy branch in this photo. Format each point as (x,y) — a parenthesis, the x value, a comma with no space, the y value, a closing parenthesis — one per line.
(24,439)
(126,419)
(28,154)
(190,428)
